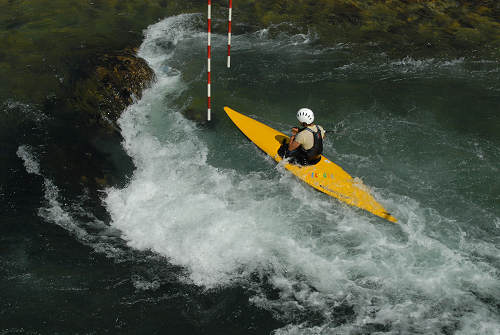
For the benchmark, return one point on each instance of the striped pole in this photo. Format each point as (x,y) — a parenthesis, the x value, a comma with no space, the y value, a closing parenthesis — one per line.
(209,53)
(229,35)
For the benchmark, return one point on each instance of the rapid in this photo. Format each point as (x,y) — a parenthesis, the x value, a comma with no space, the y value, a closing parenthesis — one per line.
(421,134)
(210,202)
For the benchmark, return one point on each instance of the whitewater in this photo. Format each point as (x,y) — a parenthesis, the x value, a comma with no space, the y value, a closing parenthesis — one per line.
(227,224)
(207,200)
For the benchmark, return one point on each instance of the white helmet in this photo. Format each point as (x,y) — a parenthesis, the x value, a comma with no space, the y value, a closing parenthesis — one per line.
(305,115)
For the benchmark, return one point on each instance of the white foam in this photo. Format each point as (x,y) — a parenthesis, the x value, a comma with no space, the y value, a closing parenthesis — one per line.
(30,162)
(55,212)
(142,284)
(223,225)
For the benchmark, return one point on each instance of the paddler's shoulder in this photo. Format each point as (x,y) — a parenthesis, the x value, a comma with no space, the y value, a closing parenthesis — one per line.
(313,128)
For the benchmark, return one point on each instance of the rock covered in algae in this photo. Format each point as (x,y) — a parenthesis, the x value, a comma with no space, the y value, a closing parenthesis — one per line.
(403,26)
(108,84)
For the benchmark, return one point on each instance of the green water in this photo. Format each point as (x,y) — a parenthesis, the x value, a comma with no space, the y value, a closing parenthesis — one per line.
(218,207)
(207,235)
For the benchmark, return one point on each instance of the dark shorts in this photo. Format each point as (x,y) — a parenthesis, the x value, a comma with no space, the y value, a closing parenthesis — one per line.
(297,156)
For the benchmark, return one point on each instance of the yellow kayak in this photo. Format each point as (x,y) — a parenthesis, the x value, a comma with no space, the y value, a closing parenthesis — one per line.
(325,176)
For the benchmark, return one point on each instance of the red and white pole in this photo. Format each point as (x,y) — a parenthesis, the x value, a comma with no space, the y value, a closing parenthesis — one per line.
(229,35)
(209,52)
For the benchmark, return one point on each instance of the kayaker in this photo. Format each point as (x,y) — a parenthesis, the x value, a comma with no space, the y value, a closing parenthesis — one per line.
(306,143)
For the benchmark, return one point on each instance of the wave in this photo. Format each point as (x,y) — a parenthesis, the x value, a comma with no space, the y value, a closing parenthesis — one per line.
(197,200)
(68,218)
(318,265)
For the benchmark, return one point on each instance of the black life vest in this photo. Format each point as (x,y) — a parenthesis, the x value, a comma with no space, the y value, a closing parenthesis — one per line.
(317,149)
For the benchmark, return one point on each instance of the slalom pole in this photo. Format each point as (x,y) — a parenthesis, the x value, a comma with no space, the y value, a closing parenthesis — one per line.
(209,54)
(229,35)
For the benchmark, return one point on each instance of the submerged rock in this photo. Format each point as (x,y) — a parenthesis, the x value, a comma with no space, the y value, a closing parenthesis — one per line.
(197,110)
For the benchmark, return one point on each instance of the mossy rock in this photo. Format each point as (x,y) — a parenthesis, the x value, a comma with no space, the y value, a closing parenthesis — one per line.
(398,26)
(109,83)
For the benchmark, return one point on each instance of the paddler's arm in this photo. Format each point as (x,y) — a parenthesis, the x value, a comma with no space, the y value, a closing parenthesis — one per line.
(292,145)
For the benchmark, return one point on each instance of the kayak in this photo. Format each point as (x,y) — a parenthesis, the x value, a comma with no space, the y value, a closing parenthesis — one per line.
(325,176)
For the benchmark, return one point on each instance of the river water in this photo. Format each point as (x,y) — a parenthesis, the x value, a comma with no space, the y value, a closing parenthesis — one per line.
(210,236)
